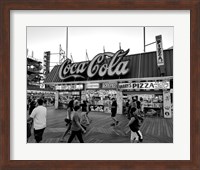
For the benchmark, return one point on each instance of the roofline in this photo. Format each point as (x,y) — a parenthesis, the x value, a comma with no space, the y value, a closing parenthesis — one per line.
(149,52)
(112,80)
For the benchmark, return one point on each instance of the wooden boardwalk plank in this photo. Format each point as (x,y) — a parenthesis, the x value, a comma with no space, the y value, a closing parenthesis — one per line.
(155,130)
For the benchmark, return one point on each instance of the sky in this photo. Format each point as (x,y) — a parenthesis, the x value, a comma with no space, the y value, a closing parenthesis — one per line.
(76,40)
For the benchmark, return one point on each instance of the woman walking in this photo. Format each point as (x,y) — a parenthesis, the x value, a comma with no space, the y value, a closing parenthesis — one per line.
(76,128)
(70,109)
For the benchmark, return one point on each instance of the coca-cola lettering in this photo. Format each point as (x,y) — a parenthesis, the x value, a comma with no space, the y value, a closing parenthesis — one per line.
(117,66)
(93,67)
(67,69)
(96,66)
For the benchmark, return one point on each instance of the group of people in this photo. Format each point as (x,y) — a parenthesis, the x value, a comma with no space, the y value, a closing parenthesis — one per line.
(37,118)
(77,119)
(135,102)
(134,110)
(37,113)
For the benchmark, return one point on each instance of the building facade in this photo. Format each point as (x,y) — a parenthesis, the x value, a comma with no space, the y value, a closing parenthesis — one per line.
(146,76)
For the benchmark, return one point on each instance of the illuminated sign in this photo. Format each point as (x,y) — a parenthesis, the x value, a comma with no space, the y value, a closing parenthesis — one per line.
(109,85)
(92,86)
(97,66)
(145,85)
(159,51)
(70,87)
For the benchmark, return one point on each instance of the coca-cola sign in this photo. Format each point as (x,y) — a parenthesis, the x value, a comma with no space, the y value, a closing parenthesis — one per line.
(97,66)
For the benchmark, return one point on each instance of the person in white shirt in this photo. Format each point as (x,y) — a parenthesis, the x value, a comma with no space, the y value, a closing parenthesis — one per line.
(38,117)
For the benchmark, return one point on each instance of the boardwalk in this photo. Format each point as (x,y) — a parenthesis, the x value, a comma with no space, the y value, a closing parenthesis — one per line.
(155,130)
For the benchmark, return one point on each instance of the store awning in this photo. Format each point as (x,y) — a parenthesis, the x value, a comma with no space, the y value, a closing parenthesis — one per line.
(142,65)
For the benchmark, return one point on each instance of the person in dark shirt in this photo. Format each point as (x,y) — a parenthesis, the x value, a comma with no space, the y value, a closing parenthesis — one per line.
(114,112)
(131,105)
(134,124)
(138,104)
(127,107)
(71,104)
(84,108)
(32,106)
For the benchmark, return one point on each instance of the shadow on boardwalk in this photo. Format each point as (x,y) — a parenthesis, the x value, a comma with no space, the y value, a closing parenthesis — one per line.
(155,130)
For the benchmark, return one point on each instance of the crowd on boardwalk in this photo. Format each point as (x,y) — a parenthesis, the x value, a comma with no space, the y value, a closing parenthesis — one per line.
(77,118)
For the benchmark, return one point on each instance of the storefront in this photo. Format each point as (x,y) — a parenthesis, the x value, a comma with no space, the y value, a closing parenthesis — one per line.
(48,95)
(151,94)
(99,96)
(117,75)
(64,93)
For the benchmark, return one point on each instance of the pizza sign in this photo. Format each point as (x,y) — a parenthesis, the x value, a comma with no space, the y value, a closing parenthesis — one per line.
(145,85)
(159,51)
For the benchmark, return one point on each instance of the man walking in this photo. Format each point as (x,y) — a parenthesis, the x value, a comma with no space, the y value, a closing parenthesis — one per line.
(38,117)
(114,112)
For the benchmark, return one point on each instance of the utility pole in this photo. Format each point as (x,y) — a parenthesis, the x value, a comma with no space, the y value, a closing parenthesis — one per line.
(66,42)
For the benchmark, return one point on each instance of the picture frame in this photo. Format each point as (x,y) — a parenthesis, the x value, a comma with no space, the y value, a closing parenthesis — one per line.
(5,8)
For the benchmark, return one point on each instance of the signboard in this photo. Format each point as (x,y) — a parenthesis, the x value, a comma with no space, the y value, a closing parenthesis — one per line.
(98,108)
(38,91)
(70,87)
(109,85)
(167,104)
(116,65)
(159,51)
(76,93)
(46,67)
(92,86)
(144,85)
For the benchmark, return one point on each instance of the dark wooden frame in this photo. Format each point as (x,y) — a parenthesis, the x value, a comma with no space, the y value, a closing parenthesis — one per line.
(7,5)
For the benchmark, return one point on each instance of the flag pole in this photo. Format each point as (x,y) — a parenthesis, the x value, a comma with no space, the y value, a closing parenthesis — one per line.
(66,42)
(71,57)
(87,58)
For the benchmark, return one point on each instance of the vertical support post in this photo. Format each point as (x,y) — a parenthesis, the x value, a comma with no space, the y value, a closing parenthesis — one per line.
(119,99)
(144,38)
(56,99)
(66,42)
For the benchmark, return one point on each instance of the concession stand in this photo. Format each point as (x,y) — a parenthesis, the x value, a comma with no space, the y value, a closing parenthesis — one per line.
(146,75)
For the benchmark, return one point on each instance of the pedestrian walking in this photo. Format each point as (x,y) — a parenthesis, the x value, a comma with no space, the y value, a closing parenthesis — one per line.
(134,124)
(138,104)
(32,105)
(84,108)
(114,112)
(76,128)
(132,105)
(127,107)
(38,117)
(68,119)
(141,106)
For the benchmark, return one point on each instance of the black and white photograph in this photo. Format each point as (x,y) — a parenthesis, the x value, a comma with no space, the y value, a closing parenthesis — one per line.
(99,84)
